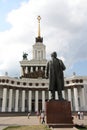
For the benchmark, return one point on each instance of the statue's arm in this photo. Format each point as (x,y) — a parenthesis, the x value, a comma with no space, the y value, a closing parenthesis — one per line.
(62,65)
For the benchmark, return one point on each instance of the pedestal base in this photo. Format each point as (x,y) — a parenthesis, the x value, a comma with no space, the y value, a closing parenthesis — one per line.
(59,113)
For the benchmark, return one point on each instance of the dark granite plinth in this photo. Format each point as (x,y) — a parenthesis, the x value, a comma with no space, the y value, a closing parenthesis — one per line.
(59,113)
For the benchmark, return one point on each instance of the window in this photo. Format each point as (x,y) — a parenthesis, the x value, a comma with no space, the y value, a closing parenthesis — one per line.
(30,84)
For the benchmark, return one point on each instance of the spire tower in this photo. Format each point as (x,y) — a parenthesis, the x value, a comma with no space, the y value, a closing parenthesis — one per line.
(39,18)
(39,38)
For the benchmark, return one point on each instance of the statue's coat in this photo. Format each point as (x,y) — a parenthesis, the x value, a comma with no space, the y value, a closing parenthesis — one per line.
(54,72)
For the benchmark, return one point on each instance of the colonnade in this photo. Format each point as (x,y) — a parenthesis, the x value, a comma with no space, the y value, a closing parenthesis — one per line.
(29,69)
(75,99)
(9,94)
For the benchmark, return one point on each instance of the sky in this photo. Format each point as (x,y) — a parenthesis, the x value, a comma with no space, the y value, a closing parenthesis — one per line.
(63,28)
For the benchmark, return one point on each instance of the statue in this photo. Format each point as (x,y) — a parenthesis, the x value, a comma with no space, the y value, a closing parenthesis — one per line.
(54,72)
(25,56)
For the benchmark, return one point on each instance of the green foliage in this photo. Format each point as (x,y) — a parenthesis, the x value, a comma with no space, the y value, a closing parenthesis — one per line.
(11,127)
(83,129)
(33,127)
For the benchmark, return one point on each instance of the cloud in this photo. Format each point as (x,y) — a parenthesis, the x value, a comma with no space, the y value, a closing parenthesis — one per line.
(63,27)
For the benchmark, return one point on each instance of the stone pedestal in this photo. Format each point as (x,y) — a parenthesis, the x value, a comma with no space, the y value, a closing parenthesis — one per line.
(58,113)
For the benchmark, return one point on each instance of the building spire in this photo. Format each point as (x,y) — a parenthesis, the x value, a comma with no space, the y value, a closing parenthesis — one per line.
(39,38)
(39,18)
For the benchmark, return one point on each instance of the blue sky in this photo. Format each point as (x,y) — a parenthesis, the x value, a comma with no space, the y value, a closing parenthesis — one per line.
(79,68)
(5,7)
(64,30)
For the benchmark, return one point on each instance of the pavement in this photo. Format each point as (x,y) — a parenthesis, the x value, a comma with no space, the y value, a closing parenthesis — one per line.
(17,121)
(33,120)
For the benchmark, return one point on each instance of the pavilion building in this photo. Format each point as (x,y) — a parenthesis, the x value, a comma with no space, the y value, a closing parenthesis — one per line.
(30,92)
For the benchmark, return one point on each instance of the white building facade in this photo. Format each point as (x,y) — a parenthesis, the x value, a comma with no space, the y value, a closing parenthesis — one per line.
(30,92)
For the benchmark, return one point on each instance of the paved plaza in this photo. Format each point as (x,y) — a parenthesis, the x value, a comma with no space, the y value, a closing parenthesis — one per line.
(33,120)
(20,120)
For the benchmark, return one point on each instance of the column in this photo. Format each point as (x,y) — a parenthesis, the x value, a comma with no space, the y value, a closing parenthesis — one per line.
(56,95)
(42,54)
(63,93)
(49,95)
(70,97)
(38,55)
(43,100)
(30,101)
(42,68)
(26,70)
(36,101)
(4,101)
(76,99)
(35,54)
(83,97)
(36,68)
(22,71)
(16,100)
(10,100)
(23,100)
(31,69)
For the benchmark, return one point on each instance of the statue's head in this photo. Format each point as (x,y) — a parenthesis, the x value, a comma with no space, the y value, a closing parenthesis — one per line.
(54,54)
